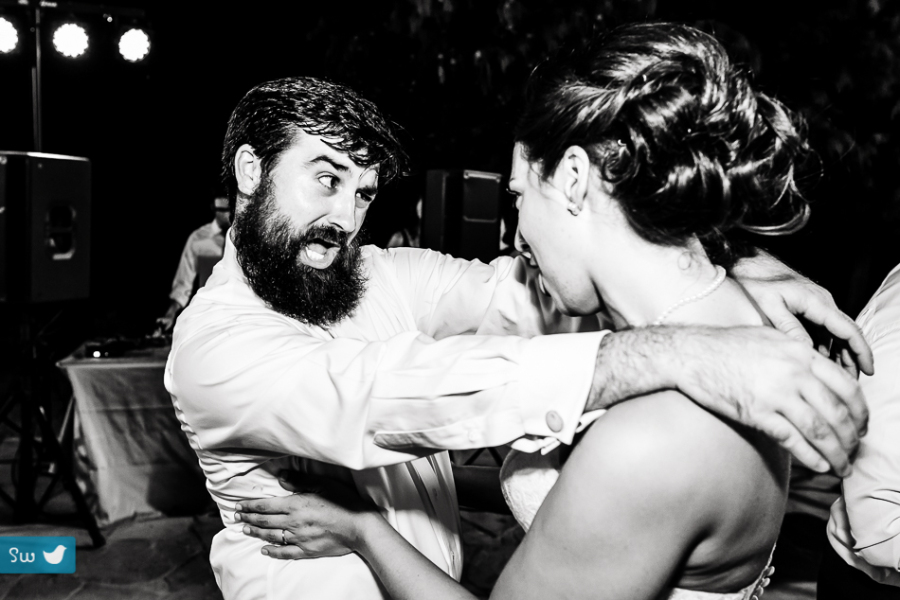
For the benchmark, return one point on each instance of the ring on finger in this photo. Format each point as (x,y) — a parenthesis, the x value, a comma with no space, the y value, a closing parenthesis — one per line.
(283,540)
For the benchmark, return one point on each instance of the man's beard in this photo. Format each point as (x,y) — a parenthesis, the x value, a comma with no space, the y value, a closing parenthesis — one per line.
(268,251)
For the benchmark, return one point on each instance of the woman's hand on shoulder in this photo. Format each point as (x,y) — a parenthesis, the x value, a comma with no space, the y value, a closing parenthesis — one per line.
(323,517)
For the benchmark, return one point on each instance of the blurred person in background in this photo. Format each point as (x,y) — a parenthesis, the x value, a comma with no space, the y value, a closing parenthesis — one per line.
(202,250)
(862,559)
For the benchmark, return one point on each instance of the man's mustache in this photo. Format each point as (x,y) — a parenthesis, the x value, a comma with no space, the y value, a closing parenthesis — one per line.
(329,235)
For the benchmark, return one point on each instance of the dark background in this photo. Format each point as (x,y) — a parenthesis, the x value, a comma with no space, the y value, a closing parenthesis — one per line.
(449,72)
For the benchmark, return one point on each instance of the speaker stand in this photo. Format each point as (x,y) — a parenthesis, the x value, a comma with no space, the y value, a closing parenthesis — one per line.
(37,440)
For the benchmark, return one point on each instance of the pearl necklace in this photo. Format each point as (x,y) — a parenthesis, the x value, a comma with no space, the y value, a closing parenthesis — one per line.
(718,281)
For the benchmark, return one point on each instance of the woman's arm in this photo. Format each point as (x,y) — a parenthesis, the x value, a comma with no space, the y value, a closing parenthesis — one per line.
(403,570)
(620,521)
(327,518)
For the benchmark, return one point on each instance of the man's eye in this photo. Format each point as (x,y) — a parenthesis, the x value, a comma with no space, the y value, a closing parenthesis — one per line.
(329,181)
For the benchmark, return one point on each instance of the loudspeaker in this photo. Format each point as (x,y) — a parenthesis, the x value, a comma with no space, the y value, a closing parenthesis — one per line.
(461,213)
(45,227)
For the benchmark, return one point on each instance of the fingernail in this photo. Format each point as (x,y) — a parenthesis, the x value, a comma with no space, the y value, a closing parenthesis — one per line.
(238,507)
(264,551)
(237,516)
(246,530)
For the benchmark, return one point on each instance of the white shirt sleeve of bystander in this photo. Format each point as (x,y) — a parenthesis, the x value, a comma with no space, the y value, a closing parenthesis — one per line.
(865,522)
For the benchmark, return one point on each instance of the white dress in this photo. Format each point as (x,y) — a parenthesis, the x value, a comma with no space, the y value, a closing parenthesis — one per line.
(526,479)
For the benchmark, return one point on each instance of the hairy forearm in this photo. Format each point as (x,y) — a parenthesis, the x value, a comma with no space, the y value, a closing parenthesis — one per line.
(637,361)
(403,570)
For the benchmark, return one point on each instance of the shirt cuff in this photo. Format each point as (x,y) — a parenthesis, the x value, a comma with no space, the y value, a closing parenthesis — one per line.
(180,296)
(841,538)
(557,372)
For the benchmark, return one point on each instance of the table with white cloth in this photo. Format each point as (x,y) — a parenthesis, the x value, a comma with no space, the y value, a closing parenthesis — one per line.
(131,457)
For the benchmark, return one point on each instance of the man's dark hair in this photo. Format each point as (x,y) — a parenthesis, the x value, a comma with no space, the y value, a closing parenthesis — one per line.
(269,115)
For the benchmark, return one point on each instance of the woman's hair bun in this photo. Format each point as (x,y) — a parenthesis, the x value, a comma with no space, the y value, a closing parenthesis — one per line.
(687,144)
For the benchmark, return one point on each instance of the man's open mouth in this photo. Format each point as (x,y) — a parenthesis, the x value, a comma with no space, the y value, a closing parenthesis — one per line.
(319,253)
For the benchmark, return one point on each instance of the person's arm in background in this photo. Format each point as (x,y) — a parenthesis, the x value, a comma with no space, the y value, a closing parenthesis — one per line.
(871,494)
(182,285)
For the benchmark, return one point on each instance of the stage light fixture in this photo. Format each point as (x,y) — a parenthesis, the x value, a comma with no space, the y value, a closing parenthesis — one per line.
(134,45)
(70,40)
(9,37)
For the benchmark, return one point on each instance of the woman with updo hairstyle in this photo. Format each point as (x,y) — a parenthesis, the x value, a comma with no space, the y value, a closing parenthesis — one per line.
(637,163)
(686,145)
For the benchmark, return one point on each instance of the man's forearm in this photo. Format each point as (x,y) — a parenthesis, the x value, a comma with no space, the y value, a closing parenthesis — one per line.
(633,362)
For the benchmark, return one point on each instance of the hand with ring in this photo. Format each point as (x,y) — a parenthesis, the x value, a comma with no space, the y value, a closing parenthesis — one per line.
(321,518)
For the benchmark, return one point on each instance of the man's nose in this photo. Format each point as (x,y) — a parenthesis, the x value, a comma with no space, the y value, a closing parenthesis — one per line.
(343,213)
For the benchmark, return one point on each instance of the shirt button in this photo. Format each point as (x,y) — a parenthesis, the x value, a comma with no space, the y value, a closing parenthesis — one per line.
(473,435)
(554,421)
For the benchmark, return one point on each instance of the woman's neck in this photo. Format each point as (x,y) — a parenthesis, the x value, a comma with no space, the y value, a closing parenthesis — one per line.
(647,280)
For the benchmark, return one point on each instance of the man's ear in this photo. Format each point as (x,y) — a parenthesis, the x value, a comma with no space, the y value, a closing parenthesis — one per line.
(247,169)
(574,172)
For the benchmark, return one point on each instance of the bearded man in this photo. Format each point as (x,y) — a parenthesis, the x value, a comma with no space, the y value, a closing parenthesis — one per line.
(308,351)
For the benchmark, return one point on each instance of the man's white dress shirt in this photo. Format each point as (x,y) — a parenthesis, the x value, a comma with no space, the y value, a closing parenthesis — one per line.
(206,241)
(257,392)
(864,528)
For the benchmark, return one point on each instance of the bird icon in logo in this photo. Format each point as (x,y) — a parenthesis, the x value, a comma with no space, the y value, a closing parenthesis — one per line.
(55,557)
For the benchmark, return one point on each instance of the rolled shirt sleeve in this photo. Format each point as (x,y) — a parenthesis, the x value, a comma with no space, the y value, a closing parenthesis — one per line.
(864,527)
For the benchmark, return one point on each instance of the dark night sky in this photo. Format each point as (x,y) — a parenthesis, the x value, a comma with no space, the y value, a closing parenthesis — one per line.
(154,131)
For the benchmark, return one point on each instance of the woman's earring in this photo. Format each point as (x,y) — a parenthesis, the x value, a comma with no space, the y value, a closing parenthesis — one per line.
(573,208)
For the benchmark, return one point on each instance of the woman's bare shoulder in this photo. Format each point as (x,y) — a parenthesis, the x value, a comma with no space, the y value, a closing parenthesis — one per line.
(666,441)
